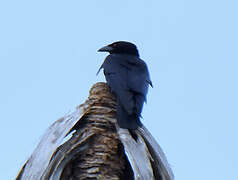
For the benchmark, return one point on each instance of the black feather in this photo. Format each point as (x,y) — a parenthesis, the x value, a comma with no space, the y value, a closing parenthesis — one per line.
(128,77)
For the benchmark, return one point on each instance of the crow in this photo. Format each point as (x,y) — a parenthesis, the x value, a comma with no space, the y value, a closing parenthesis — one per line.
(128,78)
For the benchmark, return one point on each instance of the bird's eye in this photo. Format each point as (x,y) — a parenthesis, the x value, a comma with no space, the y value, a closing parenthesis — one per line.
(114,45)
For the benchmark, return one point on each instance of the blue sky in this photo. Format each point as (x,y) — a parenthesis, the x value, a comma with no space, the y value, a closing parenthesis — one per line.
(48,62)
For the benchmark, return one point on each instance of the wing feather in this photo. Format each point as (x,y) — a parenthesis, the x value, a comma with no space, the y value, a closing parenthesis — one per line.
(128,78)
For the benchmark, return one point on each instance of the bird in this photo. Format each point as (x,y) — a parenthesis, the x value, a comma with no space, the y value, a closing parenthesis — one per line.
(128,79)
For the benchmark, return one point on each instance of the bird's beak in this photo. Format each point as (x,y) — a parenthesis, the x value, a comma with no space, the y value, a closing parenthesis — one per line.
(105,49)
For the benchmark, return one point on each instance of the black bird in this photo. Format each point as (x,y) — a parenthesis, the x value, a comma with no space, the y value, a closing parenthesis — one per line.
(128,78)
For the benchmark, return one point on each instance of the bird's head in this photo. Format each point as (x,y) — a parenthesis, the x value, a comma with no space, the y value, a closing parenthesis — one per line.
(121,47)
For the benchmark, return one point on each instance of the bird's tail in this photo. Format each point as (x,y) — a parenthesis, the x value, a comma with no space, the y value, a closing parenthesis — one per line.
(127,121)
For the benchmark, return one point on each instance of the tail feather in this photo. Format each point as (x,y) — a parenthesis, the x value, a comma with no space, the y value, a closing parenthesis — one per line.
(125,120)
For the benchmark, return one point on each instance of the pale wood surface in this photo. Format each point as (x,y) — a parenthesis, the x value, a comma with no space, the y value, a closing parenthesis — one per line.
(98,148)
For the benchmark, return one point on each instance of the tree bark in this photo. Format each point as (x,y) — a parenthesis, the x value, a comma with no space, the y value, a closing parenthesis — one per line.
(97,147)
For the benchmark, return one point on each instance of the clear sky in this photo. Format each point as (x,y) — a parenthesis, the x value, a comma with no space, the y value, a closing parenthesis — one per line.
(48,62)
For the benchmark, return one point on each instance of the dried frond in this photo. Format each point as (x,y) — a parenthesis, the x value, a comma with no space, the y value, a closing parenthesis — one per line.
(97,148)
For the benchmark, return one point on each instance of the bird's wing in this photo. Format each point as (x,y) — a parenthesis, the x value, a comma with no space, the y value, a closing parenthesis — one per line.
(128,78)
(138,76)
(100,69)
(138,82)
(117,78)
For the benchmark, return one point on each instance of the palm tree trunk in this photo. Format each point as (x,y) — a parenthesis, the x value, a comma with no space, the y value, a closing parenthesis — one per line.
(97,147)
